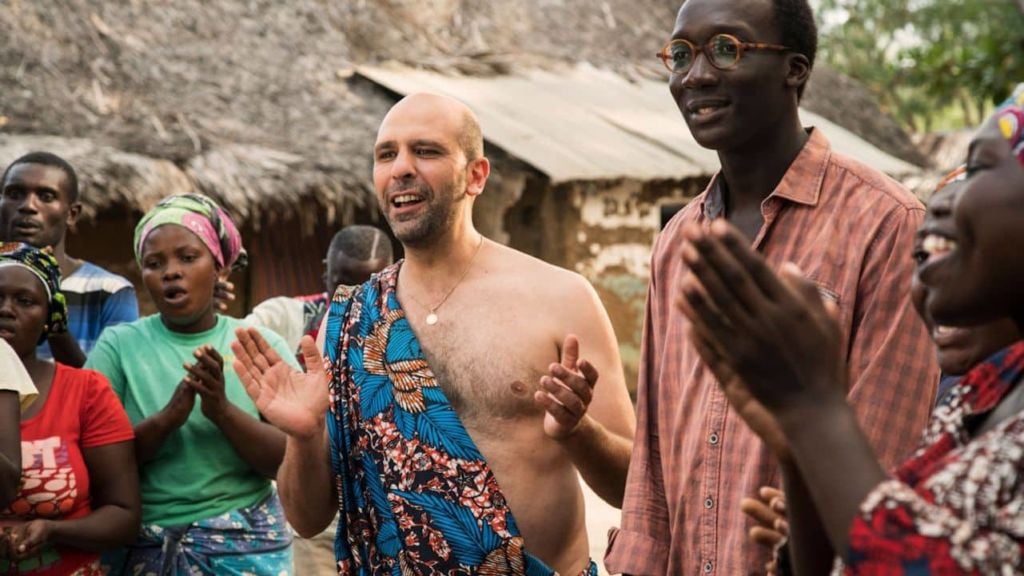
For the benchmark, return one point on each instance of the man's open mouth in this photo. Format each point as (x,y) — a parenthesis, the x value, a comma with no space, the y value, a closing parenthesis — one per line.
(706,106)
(406,200)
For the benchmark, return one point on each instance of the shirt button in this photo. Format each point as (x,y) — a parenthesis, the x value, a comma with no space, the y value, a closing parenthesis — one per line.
(709,502)
(708,567)
(713,438)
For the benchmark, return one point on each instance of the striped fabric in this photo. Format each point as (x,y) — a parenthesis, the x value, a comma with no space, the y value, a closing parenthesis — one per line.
(96,299)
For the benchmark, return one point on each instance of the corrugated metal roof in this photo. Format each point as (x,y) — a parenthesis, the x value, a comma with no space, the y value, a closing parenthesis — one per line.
(590,124)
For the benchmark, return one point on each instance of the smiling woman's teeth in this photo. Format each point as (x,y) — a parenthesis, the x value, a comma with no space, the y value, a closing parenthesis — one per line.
(934,244)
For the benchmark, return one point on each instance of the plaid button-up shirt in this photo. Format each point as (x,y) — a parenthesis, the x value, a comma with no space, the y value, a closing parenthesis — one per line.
(850,229)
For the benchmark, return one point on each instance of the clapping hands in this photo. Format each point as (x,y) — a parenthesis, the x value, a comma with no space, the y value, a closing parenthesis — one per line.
(774,333)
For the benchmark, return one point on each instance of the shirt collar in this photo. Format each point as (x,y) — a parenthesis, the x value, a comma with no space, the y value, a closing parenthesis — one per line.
(801,183)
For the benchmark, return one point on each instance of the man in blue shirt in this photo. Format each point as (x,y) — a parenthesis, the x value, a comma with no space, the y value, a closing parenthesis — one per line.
(38,202)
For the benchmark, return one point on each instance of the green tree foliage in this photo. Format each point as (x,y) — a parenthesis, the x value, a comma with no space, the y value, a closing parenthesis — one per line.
(928,61)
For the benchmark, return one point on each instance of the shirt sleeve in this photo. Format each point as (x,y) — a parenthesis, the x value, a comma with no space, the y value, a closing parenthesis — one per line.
(104,420)
(893,369)
(120,308)
(283,315)
(14,377)
(105,359)
(900,532)
(641,546)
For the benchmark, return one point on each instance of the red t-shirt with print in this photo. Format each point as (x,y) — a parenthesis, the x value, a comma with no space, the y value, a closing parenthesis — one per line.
(80,411)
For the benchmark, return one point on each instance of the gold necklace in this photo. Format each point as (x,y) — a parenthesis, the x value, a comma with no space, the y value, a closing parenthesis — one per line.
(432,315)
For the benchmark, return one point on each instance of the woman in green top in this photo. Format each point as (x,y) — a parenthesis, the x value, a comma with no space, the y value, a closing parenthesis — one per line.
(206,457)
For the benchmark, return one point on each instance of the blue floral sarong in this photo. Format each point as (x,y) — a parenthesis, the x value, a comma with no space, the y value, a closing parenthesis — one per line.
(414,492)
(252,541)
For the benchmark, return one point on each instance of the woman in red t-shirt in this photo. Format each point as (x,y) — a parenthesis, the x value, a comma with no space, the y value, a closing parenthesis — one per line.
(79,491)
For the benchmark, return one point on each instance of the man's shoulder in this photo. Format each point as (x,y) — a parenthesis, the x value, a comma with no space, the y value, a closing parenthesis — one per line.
(546,276)
(92,278)
(851,176)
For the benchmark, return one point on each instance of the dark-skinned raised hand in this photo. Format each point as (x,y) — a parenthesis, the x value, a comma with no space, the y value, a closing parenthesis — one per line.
(177,410)
(785,346)
(206,377)
(781,339)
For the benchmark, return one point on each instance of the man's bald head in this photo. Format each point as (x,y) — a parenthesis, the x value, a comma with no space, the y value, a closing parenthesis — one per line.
(453,113)
(428,167)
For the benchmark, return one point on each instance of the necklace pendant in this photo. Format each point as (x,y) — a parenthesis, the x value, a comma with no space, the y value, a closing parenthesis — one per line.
(431,319)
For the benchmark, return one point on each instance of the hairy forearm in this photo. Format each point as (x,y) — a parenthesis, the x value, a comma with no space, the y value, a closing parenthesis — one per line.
(810,551)
(602,458)
(304,482)
(259,444)
(107,527)
(65,349)
(836,463)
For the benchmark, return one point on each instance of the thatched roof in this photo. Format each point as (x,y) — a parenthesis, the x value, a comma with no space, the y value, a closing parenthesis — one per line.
(252,102)
(132,179)
(240,101)
(252,182)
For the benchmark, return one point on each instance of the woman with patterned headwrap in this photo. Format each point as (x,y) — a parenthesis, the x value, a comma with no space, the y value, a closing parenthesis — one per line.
(956,505)
(79,491)
(206,458)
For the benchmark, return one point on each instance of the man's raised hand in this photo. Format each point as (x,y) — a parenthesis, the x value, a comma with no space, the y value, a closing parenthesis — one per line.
(294,401)
(565,393)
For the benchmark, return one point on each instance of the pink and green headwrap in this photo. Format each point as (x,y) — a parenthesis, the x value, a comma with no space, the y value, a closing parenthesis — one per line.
(1010,120)
(204,218)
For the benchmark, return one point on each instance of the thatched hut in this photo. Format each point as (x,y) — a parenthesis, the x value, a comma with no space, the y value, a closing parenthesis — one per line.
(151,99)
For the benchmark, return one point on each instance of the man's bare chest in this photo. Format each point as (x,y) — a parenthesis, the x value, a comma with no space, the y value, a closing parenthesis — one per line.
(486,368)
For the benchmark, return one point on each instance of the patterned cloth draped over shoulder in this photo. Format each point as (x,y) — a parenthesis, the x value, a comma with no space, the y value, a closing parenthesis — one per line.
(415,493)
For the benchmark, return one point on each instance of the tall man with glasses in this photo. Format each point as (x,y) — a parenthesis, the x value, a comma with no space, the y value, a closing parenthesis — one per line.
(738,70)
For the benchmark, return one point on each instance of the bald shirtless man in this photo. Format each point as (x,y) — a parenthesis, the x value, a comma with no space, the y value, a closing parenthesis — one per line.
(458,409)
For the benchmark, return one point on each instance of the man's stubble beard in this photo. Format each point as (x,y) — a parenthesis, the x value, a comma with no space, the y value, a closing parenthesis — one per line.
(440,217)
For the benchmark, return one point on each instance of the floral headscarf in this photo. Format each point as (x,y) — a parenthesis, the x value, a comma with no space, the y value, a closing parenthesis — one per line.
(1010,119)
(42,264)
(204,218)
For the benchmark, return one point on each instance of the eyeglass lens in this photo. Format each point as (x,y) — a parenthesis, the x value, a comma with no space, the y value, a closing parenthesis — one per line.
(723,51)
